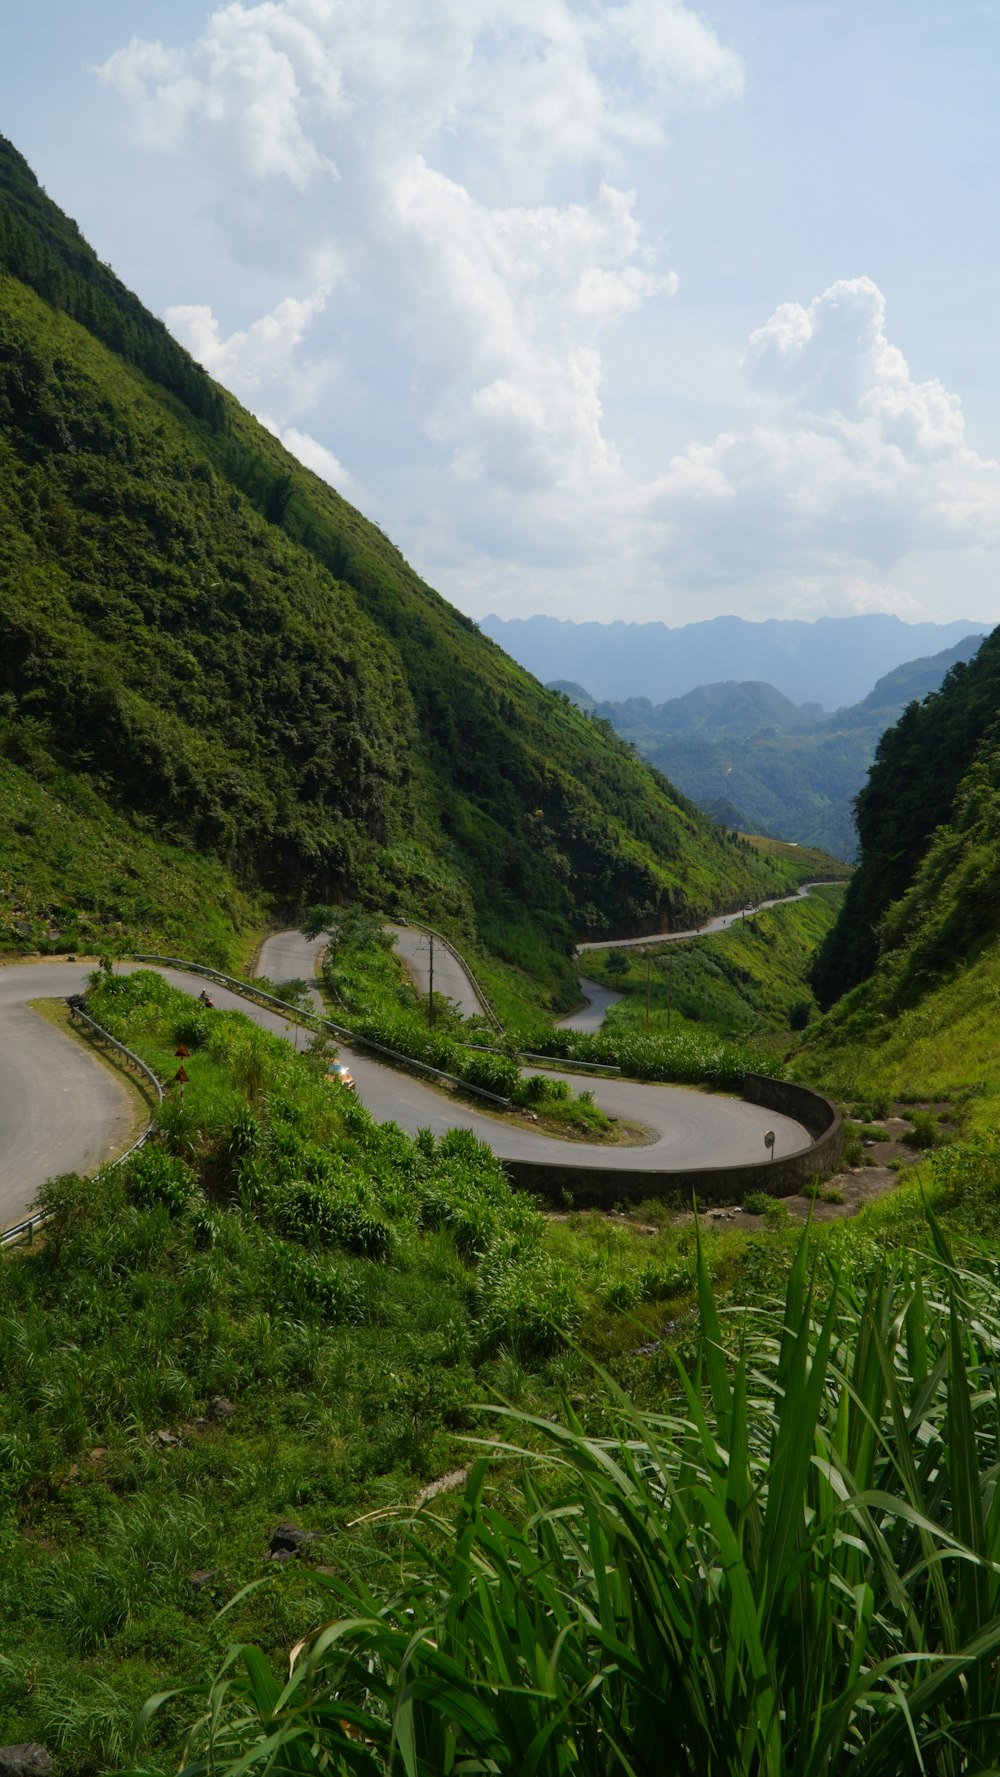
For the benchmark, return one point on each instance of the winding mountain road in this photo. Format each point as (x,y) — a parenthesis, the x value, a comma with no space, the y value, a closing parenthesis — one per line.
(721,923)
(63,1110)
(689,1128)
(599,1000)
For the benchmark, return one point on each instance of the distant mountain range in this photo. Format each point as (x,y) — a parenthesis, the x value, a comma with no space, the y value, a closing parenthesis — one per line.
(754,760)
(832,662)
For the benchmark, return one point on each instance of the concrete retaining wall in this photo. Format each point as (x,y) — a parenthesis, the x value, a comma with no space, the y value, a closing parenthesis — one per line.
(593,1187)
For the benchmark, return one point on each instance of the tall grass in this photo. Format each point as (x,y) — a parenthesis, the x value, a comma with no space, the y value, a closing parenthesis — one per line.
(795,1572)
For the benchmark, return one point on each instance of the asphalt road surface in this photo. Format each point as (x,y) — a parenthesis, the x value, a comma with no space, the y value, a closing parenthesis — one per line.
(288,956)
(591,1016)
(688,1128)
(450,979)
(61,1110)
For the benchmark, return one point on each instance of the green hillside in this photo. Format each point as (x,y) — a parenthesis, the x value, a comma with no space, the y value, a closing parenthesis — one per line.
(923,792)
(911,969)
(224,654)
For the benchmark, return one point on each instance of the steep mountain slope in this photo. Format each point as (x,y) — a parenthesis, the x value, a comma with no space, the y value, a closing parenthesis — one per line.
(924,899)
(926,1016)
(219,649)
(832,661)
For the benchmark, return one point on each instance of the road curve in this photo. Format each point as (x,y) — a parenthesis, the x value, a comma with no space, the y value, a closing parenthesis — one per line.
(590,1017)
(288,956)
(61,1110)
(450,979)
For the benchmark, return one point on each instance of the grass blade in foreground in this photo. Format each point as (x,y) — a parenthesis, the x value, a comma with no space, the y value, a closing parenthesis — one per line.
(713,1594)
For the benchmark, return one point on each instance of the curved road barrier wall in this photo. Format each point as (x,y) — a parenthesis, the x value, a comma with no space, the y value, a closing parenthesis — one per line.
(592,1187)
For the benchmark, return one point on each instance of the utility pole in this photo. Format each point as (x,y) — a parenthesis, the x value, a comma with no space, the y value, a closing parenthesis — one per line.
(648,961)
(670,985)
(430,989)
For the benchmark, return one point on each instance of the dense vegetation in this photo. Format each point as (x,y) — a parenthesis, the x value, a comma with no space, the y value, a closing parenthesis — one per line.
(925,1017)
(220,686)
(345,1292)
(755,760)
(76,875)
(923,818)
(794,1572)
(228,656)
(278,1310)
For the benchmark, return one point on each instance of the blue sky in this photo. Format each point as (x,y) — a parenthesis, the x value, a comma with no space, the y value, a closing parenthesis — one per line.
(603,310)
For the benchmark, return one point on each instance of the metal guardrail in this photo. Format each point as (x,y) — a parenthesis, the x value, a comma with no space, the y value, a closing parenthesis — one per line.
(25,1230)
(565,1061)
(341,1031)
(570,1063)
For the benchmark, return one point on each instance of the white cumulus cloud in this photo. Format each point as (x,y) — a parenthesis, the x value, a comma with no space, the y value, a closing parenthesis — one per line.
(457,182)
(418,145)
(856,464)
(260,363)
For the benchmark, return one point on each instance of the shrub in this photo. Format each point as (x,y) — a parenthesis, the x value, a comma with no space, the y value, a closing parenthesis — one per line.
(757,1203)
(332,1215)
(155,1178)
(869,1108)
(311,1283)
(492,1073)
(191,1029)
(528,1305)
(925,1131)
(540,1089)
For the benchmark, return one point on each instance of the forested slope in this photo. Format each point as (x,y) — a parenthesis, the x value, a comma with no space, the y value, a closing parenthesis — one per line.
(926,834)
(200,634)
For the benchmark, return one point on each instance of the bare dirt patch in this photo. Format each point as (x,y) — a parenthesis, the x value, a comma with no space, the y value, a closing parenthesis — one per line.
(851,1188)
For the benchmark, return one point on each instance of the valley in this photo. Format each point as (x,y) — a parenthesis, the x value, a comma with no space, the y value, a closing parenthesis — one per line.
(237,726)
(756,761)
